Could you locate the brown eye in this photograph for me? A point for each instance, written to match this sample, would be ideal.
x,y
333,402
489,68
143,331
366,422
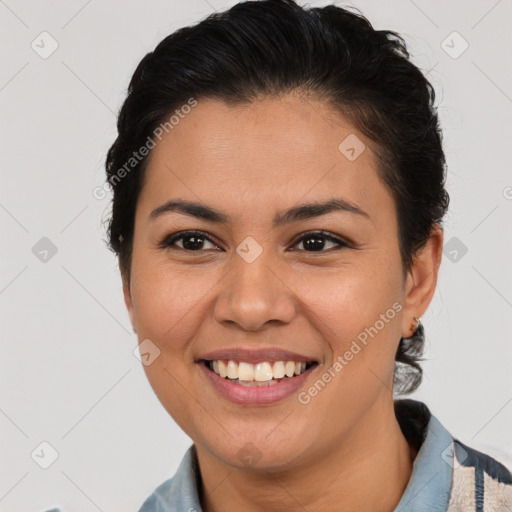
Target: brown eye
x,y
315,241
193,241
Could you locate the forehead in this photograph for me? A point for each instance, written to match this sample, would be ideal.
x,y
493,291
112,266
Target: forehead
x,y
268,153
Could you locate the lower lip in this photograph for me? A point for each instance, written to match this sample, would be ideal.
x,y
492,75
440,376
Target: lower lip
x,y
255,395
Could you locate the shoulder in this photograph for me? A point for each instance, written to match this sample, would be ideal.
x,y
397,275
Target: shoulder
x,y
179,492
158,500
449,475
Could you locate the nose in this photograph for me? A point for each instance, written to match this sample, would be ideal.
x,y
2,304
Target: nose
x,y
255,294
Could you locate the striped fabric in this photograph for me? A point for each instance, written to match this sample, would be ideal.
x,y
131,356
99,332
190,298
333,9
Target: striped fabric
x,y
479,483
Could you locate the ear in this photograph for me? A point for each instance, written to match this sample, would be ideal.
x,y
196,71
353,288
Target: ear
x,y
128,300
421,281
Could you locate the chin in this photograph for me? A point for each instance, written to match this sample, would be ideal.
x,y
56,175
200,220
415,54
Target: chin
x,y
258,452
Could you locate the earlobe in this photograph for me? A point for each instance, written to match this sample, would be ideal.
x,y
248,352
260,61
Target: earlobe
x,y
422,280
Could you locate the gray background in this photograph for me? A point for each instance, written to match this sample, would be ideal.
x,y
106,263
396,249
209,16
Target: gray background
x,y
68,373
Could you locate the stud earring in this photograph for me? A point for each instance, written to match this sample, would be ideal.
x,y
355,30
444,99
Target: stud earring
x,y
418,337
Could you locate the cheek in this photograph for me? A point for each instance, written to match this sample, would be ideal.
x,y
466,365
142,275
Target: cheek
x,y
356,310
351,299
167,306
166,301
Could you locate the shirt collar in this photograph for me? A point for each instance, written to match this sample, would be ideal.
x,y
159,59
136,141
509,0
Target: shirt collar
x,y
430,483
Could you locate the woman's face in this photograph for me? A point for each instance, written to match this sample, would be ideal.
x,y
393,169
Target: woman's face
x,y
250,284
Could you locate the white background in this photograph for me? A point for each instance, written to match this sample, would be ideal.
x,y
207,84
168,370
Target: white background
x,y
68,375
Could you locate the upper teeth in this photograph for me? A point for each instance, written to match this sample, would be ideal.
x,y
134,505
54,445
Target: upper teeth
x,y
260,372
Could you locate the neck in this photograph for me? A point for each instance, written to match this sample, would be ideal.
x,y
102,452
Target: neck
x,y
366,470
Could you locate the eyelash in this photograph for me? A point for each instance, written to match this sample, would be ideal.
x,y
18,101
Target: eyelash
x,y
168,242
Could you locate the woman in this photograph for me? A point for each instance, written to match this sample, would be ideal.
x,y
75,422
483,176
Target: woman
x,y
278,183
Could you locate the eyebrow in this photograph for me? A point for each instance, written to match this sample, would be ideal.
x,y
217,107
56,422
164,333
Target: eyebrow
x,y
296,213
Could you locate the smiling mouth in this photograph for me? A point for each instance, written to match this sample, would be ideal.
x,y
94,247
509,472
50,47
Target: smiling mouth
x,y
267,373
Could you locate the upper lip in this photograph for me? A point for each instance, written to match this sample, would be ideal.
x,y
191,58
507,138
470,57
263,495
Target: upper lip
x,y
255,356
